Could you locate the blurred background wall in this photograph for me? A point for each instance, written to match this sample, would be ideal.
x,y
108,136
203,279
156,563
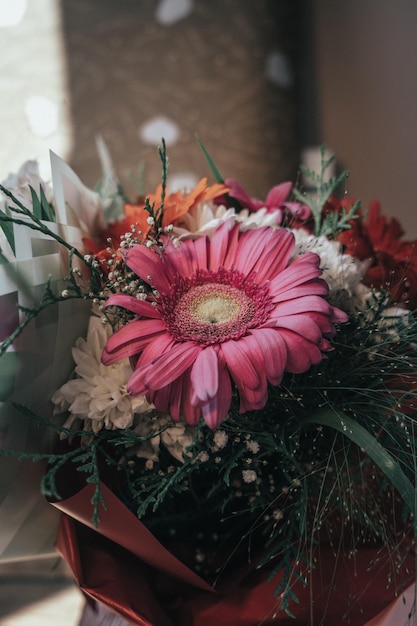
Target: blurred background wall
x,y
365,65
133,71
258,81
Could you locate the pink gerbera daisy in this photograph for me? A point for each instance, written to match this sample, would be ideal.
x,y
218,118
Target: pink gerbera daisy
x,y
233,308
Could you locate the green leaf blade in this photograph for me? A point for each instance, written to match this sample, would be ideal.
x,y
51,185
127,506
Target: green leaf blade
x,y
369,443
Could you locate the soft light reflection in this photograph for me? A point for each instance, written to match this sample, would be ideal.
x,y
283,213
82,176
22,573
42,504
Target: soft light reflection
x,y
42,115
34,101
11,12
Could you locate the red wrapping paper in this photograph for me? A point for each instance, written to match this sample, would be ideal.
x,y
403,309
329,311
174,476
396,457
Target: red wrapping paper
x,y
122,565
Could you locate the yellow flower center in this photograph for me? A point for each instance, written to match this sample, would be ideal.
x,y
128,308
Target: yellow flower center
x,y
212,307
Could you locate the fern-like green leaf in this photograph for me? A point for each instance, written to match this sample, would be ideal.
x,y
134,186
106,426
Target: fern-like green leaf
x,y
323,189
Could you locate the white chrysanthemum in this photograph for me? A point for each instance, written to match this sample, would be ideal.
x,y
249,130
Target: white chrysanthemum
x,y
206,217
202,219
258,219
342,272
97,395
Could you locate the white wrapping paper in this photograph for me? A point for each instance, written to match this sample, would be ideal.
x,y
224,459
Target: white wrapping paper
x,y
39,362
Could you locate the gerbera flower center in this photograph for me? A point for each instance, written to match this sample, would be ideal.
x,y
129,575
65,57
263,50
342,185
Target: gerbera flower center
x,y
216,304
211,307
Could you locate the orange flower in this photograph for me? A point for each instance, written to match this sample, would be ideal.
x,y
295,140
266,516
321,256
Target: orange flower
x,y
175,204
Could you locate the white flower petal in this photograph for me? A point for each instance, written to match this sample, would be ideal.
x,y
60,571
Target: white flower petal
x,y
98,394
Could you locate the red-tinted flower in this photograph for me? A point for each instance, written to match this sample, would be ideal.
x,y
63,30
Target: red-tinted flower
x,y
233,308
391,261
276,200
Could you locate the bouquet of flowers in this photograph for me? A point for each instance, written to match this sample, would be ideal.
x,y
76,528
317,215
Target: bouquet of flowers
x,y
237,439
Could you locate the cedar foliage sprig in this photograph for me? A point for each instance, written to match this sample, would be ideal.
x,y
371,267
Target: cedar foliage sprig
x,y
156,215
332,223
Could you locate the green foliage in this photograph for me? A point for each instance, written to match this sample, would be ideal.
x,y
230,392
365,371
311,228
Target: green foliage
x,y
7,228
42,210
369,443
157,215
284,474
214,169
32,220
310,448
331,224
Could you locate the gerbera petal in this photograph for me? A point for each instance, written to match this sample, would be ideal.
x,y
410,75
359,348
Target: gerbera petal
x,y
171,364
175,396
191,413
301,354
140,307
320,320
300,271
315,287
232,247
159,344
269,345
278,194
148,265
205,375
239,364
200,249
301,305
250,248
131,339
182,261
236,191
165,368
136,385
215,410
160,398
252,399
303,325
275,257
219,246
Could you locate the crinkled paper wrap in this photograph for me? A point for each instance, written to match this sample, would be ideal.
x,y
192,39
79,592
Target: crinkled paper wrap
x,y
39,362
123,566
